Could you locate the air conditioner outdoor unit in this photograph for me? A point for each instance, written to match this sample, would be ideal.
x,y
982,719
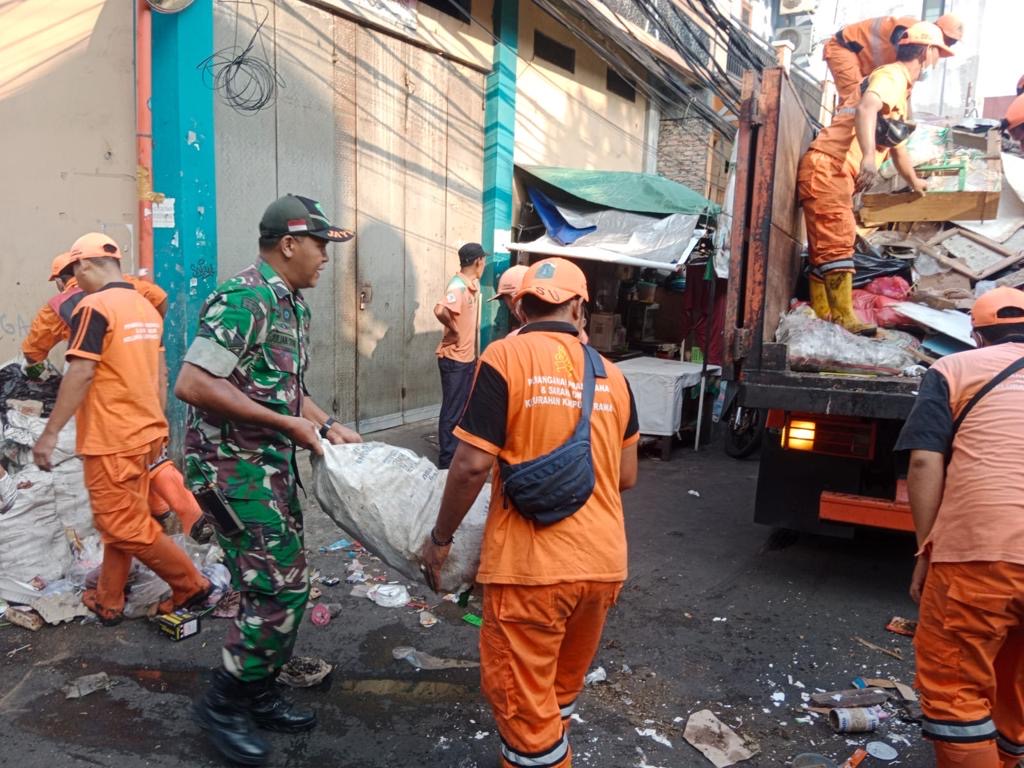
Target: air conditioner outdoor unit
x,y
789,7
800,37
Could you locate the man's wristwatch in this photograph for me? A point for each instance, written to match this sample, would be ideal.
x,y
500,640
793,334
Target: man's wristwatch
x,y
327,426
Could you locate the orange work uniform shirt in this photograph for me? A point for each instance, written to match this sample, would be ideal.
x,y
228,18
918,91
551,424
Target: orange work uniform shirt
x,y
981,517
122,332
50,325
462,298
526,402
892,84
872,40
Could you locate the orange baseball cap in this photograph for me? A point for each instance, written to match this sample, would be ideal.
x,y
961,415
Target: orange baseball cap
x,y
926,33
1015,113
555,281
94,245
986,309
951,26
60,262
511,281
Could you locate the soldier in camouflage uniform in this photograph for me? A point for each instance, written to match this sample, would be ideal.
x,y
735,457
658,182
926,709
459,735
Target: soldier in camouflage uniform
x,y
244,378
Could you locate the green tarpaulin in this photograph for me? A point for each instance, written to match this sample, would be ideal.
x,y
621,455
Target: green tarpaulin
x,y
626,191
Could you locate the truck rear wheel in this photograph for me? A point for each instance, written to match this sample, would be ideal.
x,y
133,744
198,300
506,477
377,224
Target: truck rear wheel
x,y
744,429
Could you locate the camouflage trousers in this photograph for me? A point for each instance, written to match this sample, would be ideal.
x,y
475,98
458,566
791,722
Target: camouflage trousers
x,y
268,567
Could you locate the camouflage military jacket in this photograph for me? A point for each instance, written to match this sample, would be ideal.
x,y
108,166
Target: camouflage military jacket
x,y
254,332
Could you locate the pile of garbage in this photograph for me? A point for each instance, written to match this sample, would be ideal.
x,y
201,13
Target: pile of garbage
x,y
919,278
49,550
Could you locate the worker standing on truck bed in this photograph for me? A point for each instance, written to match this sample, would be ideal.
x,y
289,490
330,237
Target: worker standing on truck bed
x,y
836,166
967,498
858,49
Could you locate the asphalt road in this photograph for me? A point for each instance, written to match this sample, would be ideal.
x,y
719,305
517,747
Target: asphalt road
x,y
717,614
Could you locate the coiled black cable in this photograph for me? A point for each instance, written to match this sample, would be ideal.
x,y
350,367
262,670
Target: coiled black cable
x,y
245,80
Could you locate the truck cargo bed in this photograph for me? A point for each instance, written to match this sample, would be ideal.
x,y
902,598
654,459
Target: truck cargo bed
x,y
882,397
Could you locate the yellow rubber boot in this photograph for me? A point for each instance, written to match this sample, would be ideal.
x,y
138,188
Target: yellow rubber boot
x,y
819,299
839,289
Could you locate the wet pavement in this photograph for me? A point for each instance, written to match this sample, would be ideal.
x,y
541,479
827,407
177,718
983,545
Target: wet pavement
x,y
718,614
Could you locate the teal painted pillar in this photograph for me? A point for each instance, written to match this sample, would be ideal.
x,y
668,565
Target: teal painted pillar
x,y
499,148
185,236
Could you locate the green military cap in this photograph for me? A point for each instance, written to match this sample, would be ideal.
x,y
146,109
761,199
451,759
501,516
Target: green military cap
x,y
297,215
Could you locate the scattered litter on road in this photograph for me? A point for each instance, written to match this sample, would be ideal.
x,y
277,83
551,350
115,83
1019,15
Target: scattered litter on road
x,y
812,760
389,595
901,626
11,653
904,690
894,652
422,660
867,697
856,720
25,618
330,581
595,676
83,686
881,751
322,613
472,618
719,618
654,735
855,759
336,546
59,607
480,735
304,672
575,717
643,760
427,619
227,608
694,493
315,594
715,740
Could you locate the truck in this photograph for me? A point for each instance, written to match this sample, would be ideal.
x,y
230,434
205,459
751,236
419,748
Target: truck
x,y
826,462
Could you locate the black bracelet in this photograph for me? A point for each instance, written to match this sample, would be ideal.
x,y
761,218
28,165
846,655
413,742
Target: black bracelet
x,y
327,426
433,538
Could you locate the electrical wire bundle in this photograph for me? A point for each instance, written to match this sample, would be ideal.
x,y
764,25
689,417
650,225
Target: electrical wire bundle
x,y
245,80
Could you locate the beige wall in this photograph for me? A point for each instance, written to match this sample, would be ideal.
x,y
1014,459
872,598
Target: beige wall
x,y
68,159
571,119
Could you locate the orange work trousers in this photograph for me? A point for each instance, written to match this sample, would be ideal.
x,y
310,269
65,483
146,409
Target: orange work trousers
x,y
118,486
844,65
970,663
167,492
825,185
536,645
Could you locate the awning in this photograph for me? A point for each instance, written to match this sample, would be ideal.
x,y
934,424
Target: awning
x,y
624,190
545,246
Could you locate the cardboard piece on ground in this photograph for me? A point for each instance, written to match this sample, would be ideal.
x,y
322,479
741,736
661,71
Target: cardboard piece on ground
x,y
1014,279
908,693
946,290
56,609
854,697
83,686
715,740
975,256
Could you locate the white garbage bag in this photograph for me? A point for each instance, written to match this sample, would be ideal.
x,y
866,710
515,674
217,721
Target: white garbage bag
x,y
32,539
388,498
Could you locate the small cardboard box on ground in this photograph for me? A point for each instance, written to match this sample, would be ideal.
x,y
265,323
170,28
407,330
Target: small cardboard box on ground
x,y
603,326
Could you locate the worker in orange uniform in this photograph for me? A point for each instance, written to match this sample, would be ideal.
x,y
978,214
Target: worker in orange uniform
x,y
51,325
967,498
1013,123
112,387
508,286
857,50
458,312
844,159
554,549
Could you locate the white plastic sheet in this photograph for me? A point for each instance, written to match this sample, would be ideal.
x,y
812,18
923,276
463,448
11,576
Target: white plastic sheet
x,y
658,387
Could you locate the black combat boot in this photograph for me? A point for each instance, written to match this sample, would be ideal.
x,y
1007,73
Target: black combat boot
x,y
272,711
223,713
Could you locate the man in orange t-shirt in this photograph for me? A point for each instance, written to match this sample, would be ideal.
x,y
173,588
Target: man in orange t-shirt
x,y
456,354
547,588
967,497
52,325
844,159
112,387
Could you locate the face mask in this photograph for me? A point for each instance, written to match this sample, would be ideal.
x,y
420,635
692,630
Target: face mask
x,y
925,74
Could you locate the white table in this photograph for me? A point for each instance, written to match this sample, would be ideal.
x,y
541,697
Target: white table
x,y
658,386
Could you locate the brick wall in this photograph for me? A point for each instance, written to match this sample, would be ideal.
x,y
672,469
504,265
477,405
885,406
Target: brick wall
x,y
683,147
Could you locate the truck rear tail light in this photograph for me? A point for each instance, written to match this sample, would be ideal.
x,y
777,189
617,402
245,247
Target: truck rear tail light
x,y
834,436
799,435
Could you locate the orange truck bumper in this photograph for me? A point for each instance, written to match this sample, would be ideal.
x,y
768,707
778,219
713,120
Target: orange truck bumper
x,y
864,510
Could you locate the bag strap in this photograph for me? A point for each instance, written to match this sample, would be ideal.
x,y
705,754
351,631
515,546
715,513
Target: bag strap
x,y
994,382
593,368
